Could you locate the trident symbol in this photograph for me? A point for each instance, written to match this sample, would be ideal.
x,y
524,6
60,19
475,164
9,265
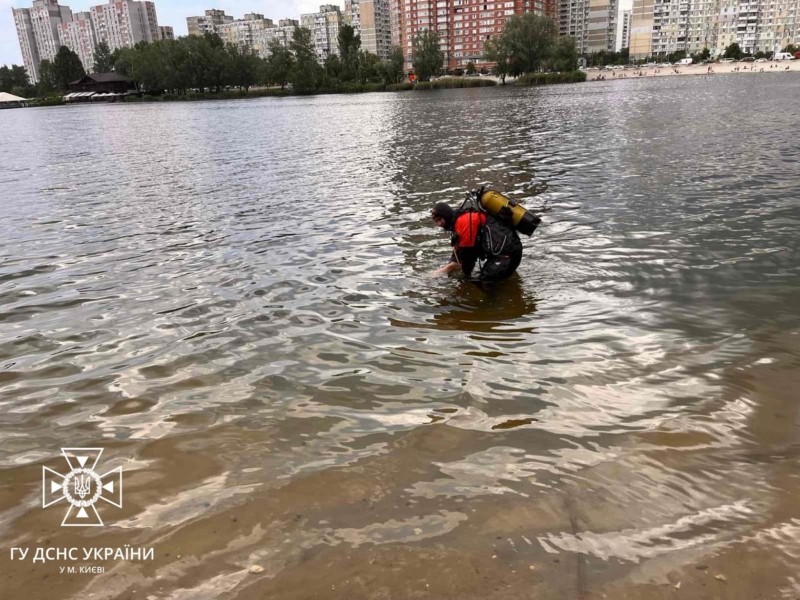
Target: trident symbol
x,y
82,485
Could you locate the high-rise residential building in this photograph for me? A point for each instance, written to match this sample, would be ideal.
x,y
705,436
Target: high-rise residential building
x,y
208,23
660,27
243,32
593,24
324,26
372,21
463,26
37,30
125,23
624,30
282,33
78,35
46,26
165,32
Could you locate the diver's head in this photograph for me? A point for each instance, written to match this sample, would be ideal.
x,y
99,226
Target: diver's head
x,y
443,215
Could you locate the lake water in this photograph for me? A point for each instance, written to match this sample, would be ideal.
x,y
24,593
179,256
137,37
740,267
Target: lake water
x,y
234,300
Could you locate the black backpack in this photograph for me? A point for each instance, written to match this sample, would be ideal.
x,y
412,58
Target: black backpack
x,y
497,237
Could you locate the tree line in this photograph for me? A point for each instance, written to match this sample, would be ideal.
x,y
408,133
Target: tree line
x,y
531,44
207,63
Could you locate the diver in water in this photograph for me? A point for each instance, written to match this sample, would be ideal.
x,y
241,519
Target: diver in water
x,y
479,236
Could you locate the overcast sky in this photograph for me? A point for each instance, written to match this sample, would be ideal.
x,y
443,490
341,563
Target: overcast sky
x,y
170,12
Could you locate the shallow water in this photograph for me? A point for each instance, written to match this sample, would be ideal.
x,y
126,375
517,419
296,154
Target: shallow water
x,y
234,300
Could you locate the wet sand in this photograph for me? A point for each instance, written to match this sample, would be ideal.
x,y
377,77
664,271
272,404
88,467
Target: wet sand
x,y
716,69
342,533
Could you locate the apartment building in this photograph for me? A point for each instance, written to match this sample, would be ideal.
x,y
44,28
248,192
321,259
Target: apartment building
x,y
372,21
624,29
78,35
243,32
37,31
661,27
593,24
125,23
463,26
324,26
165,32
207,23
282,33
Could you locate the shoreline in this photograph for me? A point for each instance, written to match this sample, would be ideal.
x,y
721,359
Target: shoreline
x,y
678,71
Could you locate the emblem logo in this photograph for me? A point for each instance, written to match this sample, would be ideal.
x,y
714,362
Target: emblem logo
x,y
81,487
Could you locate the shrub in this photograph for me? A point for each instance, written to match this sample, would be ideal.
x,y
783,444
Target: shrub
x,y
453,82
49,101
400,87
551,78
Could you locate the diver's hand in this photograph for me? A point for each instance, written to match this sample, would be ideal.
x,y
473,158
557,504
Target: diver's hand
x,y
448,268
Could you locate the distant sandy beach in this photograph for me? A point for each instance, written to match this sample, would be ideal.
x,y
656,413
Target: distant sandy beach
x,y
710,69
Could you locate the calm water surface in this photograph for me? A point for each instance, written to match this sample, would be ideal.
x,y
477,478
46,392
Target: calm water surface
x,y
234,300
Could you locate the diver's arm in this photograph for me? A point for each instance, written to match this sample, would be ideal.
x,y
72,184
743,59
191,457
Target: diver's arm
x,y
450,267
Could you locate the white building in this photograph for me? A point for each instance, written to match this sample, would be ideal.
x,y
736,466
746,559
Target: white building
x,y
624,30
593,24
125,23
78,35
660,27
372,20
282,33
243,32
207,23
324,26
37,30
46,26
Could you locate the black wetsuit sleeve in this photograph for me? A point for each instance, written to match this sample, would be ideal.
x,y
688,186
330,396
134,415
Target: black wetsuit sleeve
x,y
466,257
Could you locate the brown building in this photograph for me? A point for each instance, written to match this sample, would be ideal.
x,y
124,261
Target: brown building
x,y
463,26
103,83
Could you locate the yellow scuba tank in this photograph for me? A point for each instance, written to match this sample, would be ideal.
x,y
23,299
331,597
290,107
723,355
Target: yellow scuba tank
x,y
504,208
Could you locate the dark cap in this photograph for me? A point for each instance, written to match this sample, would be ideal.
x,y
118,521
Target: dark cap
x,y
443,210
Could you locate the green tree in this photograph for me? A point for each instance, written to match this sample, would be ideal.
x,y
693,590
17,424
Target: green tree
x,y
369,67
15,77
496,50
123,61
175,64
349,48
48,84
565,55
333,67
471,68
392,69
103,59
530,39
279,64
428,56
306,74
67,68
148,68
699,57
245,65
791,49
733,51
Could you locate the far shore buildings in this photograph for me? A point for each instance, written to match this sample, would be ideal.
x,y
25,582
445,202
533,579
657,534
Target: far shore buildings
x,y
463,25
252,31
624,29
660,27
46,26
372,20
324,26
593,24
